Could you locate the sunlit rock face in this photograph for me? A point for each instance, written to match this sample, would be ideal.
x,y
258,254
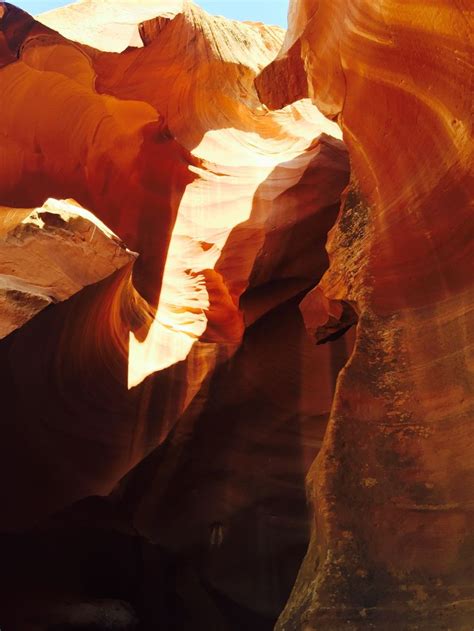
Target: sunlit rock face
x,y
392,486
48,254
147,115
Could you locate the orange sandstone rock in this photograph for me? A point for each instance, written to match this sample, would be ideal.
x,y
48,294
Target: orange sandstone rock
x,y
157,124
197,355
392,486
50,253
227,203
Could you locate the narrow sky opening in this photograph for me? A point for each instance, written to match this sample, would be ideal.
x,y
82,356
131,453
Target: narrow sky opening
x,y
267,11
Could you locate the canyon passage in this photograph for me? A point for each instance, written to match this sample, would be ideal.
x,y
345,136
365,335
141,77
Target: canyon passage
x,y
236,318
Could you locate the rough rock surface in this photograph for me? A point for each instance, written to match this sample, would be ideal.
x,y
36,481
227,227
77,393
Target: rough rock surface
x,y
392,487
50,253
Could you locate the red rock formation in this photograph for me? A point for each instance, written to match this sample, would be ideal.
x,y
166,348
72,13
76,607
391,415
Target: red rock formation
x,y
191,375
228,205
50,253
240,464
392,487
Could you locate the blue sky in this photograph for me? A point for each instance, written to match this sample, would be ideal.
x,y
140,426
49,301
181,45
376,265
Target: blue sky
x,y
268,11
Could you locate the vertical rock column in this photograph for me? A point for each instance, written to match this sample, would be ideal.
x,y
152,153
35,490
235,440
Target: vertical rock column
x,y
392,488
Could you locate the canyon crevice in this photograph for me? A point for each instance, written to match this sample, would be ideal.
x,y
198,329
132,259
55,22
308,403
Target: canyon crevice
x,y
236,299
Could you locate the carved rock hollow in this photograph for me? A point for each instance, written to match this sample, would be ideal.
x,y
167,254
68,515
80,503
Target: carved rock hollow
x,y
299,313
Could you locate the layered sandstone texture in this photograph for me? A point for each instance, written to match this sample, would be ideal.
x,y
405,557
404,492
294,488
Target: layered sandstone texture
x,y
184,385
392,488
48,254
159,424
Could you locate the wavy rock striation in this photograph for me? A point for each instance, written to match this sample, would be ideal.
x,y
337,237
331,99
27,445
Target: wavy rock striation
x,y
182,392
50,253
392,486
153,123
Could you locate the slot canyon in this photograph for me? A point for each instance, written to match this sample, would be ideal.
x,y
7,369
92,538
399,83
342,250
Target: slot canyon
x,y
237,318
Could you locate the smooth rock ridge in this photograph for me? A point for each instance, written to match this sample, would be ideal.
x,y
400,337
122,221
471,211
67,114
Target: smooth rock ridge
x,y
48,254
